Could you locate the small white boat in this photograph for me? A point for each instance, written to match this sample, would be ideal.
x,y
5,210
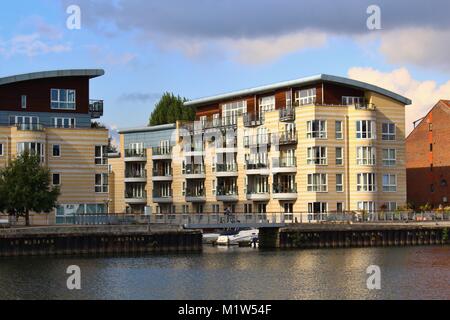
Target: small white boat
x,y
210,237
235,239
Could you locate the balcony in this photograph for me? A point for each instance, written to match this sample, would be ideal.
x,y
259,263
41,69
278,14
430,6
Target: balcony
x,y
286,138
227,170
284,192
30,127
162,175
162,153
193,195
287,114
284,165
135,155
259,168
96,108
135,197
163,195
135,176
221,122
194,172
365,106
227,194
253,120
258,195
258,140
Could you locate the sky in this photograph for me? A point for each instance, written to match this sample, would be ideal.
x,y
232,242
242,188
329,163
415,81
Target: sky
x,y
197,48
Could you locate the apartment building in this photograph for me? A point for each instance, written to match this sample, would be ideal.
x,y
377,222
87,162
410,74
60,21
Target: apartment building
x,y
49,114
313,146
428,158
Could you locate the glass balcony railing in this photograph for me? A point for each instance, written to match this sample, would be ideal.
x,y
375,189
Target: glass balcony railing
x,y
96,108
162,193
192,192
162,173
284,162
135,195
283,188
194,169
229,167
29,127
136,174
133,153
161,151
287,114
253,120
227,191
256,165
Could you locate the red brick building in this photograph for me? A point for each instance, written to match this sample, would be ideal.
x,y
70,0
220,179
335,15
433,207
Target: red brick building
x,y
428,158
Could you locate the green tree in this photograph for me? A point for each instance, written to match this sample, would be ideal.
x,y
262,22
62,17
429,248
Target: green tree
x,y
25,187
169,109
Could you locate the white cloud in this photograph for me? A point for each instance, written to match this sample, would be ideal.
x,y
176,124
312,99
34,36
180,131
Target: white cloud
x,y
30,45
102,55
424,94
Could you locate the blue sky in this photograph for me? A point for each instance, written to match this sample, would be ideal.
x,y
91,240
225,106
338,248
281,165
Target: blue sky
x,y
197,48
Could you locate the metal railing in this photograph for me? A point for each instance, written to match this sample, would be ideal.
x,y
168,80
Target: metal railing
x,y
195,193
96,108
161,151
136,174
194,169
29,127
158,193
253,120
256,165
257,140
228,167
283,188
162,172
284,162
287,114
286,137
132,195
227,191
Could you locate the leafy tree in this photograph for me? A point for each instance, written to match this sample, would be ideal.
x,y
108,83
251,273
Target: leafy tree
x,y
25,187
169,109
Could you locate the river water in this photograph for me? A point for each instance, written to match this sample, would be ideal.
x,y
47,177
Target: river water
x,y
236,273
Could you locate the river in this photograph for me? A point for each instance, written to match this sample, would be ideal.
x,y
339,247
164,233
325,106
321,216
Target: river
x,y
236,273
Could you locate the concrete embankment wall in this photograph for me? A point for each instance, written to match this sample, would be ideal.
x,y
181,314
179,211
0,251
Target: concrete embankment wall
x,y
342,236
97,240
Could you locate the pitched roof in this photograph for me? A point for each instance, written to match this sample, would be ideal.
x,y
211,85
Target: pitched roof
x,y
301,81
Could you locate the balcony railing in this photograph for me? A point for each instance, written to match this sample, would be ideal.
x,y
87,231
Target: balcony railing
x,y
257,140
194,169
190,192
158,193
30,127
96,108
133,153
254,166
253,120
133,195
162,173
161,151
136,174
227,191
284,162
228,167
287,114
287,137
283,188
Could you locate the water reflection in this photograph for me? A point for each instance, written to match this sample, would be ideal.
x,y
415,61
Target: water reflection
x,y
236,273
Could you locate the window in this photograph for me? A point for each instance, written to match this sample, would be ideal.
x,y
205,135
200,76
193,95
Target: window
x,y
317,129
56,179
214,187
215,208
365,156
216,120
25,122
64,122
367,206
32,148
185,208
203,120
431,147
305,96
389,183
388,131
248,208
1,149
266,104
56,150
101,183
101,155
338,129
183,188
64,99
365,129
339,182
340,207
366,182
339,156
317,155
317,211
348,101
317,182
23,101
389,157
231,111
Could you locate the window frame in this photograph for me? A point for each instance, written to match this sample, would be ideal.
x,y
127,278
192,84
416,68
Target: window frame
x,y
341,158
321,186
321,133
59,101
339,135
103,155
23,101
103,187
59,150
388,161
366,156
388,136
313,159
340,184
389,187
366,134
363,182
53,179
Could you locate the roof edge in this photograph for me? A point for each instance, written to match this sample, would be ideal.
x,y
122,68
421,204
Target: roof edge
x,y
91,73
148,129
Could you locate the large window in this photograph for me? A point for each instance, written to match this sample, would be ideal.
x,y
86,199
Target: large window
x,y
365,129
305,96
348,101
317,182
366,182
101,155
316,129
101,183
266,104
367,206
389,157
64,122
231,111
317,155
32,148
339,182
365,156
388,131
64,99
389,183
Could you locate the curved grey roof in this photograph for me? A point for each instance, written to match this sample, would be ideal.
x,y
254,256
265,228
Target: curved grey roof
x,y
149,129
302,81
91,73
